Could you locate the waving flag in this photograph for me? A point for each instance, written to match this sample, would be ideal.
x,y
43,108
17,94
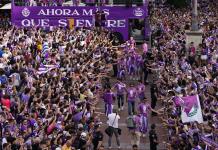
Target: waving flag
x,y
178,101
46,68
191,109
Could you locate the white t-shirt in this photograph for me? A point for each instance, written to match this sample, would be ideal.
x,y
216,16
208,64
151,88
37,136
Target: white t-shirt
x,y
111,119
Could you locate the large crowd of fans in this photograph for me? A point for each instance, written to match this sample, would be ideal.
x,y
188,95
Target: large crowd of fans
x,y
185,69
51,81
49,86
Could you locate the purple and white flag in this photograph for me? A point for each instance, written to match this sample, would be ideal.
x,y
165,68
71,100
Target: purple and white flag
x,y
178,101
191,109
46,68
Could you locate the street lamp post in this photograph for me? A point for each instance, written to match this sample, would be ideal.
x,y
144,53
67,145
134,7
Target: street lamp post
x,y
195,34
194,26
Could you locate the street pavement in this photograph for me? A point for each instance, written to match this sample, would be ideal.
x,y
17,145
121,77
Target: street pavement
x,y
125,137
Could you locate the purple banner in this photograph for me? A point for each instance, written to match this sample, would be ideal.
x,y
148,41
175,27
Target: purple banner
x,y
117,17
115,12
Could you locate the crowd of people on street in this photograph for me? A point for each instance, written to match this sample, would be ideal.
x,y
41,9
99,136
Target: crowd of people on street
x,y
179,70
129,67
52,80
186,69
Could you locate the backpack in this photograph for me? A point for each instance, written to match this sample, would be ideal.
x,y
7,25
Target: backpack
x,y
130,122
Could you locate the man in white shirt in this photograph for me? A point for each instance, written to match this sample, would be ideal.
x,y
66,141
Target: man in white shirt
x,y
113,122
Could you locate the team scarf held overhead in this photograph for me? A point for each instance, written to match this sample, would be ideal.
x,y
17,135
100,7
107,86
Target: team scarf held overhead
x,y
209,142
46,68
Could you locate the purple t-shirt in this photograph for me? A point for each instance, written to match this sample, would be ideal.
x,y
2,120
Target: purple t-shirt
x,y
25,98
33,123
120,88
144,108
108,97
23,127
141,89
130,62
131,94
139,62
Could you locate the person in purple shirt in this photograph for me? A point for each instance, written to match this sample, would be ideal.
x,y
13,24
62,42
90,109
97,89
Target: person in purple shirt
x,y
121,74
139,65
131,66
108,98
121,89
144,108
141,91
131,98
24,125
25,96
132,41
126,47
136,132
131,44
121,69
